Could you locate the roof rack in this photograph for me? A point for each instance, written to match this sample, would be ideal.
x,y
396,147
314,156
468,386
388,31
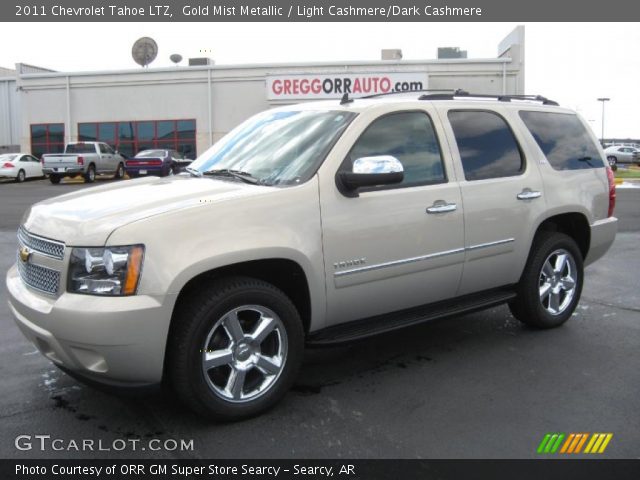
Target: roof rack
x,y
408,92
501,98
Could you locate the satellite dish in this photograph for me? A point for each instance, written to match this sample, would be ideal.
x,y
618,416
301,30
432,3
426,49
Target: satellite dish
x,y
176,58
144,51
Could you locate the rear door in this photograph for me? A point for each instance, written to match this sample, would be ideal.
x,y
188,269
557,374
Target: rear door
x,y
389,248
31,166
107,162
502,195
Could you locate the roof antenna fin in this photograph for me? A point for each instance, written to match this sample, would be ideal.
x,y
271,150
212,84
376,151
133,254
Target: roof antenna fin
x,y
345,99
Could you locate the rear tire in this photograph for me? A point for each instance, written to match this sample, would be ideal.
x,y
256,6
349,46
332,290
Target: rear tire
x,y
235,348
55,179
119,171
90,176
551,284
21,177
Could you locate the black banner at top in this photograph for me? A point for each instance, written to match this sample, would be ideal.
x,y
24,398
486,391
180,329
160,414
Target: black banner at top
x,y
317,10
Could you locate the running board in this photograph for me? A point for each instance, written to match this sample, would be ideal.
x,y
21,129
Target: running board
x,y
368,327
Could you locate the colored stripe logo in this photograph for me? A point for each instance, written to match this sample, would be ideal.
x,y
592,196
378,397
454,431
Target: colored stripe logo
x,y
574,443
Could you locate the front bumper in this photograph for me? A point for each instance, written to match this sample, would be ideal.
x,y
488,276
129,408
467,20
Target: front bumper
x,y
118,341
603,233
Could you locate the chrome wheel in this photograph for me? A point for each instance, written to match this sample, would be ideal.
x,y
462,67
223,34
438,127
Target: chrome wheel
x,y
244,353
557,281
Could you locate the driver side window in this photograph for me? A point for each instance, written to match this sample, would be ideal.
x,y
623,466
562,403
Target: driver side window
x,y
408,136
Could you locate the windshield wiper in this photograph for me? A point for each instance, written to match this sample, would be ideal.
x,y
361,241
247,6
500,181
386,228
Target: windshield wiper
x,y
193,171
240,175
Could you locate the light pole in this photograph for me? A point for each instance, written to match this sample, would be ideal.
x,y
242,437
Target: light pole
x,y
603,99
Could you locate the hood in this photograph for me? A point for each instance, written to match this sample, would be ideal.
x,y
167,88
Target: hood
x,y
87,217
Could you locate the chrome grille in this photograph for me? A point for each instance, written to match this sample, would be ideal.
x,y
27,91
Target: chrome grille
x,y
41,278
51,248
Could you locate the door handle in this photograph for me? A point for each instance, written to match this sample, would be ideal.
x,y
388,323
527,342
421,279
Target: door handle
x,y
440,206
528,194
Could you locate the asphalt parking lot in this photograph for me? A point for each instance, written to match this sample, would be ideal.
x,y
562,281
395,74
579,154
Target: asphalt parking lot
x,y
476,386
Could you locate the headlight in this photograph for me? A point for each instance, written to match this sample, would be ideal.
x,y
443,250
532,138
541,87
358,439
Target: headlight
x,y
113,271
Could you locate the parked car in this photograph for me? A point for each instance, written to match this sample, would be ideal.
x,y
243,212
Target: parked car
x,y
314,225
83,158
19,166
622,154
156,162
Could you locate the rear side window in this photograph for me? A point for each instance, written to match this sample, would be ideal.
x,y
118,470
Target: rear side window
x,y
563,139
487,146
409,137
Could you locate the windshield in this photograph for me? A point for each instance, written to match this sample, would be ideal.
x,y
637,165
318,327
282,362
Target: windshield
x,y
152,153
80,148
277,147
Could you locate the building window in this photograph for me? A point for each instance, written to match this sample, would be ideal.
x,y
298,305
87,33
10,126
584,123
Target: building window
x,y
132,137
47,138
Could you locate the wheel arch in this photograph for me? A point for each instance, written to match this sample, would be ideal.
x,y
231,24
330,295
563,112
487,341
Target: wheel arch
x,y
285,274
573,224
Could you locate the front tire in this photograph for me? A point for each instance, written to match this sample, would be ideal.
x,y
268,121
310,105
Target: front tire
x,y
551,284
235,349
90,176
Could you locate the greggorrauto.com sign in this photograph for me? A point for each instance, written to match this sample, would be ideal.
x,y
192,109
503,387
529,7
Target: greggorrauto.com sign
x,y
307,87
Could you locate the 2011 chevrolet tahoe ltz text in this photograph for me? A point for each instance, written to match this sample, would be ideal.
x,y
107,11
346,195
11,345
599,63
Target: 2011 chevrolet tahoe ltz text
x,y
314,224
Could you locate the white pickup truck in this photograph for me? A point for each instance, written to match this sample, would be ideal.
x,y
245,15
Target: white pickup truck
x,y
83,158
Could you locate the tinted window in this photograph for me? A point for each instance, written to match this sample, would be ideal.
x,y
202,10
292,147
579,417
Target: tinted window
x,y
166,130
125,130
186,129
56,133
81,148
38,133
563,140
87,131
409,137
146,130
107,132
487,146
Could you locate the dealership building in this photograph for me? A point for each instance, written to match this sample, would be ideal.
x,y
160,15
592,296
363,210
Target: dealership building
x,y
189,108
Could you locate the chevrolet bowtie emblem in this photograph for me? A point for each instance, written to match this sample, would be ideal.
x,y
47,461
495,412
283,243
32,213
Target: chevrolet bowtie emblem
x,y
25,253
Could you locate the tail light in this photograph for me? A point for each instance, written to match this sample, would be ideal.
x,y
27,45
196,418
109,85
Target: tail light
x,y
612,191
80,160
8,165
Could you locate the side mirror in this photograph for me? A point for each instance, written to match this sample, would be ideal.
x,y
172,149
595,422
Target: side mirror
x,y
370,172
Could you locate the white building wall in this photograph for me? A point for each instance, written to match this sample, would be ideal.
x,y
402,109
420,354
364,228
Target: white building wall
x,y
236,92
9,116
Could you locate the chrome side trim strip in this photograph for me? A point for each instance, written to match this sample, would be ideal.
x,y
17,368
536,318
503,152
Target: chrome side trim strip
x,y
394,263
421,258
490,244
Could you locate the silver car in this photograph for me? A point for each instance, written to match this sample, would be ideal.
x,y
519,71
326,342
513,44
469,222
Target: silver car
x,y
622,154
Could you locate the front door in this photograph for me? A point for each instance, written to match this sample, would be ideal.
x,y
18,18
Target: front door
x,y
397,246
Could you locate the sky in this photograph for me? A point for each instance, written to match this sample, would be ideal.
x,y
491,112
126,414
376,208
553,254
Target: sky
x,y
573,63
